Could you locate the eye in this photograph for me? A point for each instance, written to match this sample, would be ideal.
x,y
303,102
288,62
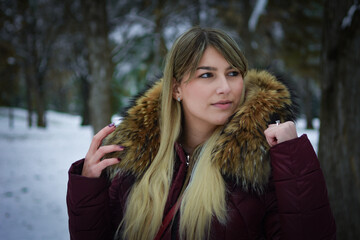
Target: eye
x,y
233,74
206,75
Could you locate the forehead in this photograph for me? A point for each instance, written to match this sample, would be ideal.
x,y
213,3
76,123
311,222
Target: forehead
x,y
212,58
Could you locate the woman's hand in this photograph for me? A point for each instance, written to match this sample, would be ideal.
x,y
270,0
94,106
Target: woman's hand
x,y
278,133
92,165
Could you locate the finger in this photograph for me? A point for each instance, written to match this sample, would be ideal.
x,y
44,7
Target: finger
x,y
275,124
97,139
95,171
288,132
272,140
270,135
271,129
104,150
107,162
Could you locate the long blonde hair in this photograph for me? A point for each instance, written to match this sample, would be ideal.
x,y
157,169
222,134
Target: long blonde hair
x,y
204,197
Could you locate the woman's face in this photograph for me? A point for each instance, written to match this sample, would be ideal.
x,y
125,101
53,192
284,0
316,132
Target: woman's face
x,y
212,95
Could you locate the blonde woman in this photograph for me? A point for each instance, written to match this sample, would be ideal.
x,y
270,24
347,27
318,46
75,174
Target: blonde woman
x,y
200,156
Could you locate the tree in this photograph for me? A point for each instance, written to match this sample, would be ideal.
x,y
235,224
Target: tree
x,y
339,151
142,31
32,28
301,45
283,36
100,64
9,67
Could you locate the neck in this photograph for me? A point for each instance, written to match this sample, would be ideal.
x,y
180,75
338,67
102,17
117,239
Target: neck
x,y
193,137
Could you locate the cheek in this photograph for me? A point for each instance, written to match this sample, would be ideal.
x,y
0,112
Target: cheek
x,y
196,92
240,86
238,89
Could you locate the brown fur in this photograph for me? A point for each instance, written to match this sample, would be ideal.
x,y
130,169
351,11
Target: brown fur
x,y
241,152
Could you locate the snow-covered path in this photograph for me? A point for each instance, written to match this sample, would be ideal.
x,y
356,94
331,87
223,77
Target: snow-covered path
x,y
33,174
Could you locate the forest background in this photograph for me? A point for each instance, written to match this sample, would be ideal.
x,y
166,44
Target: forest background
x,y
89,58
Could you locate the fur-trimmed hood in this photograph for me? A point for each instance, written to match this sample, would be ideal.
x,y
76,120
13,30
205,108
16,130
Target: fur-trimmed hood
x,y
241,151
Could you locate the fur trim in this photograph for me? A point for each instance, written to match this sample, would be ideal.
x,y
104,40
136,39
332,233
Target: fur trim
x,y
241,152
138,133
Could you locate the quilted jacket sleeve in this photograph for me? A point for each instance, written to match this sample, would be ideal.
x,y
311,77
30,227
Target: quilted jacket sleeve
x,y
301,192
88,205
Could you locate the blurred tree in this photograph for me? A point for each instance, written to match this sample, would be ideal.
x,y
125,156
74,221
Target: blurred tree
x,y
301,45
282,36
142,31
9,67
12,38
236,16
339,151
32,34
139,33
100,64
78,58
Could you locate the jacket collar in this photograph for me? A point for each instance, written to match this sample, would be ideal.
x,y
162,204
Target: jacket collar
x,y
241,152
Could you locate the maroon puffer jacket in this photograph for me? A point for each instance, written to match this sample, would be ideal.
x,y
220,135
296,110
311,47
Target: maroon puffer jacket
x,y
294,206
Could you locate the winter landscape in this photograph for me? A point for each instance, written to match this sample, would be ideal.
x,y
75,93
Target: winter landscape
x,y
33,173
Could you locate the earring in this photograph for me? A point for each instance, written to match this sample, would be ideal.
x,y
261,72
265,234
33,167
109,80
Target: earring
x,y
178,99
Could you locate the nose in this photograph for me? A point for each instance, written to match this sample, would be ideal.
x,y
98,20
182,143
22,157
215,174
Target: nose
x,y
223,86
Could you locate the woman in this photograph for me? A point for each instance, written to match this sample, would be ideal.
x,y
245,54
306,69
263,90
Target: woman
x,y
199,156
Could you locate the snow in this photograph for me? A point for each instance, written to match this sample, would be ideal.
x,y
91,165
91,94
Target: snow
x,y
33,173
258,10
313,135
348,18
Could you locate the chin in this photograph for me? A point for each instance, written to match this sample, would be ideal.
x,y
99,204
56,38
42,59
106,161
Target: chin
x,y
221,121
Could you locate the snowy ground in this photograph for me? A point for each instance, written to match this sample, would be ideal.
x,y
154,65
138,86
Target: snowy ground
x,y
33,173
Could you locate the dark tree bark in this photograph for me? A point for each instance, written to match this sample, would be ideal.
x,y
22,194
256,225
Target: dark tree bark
x,y
339,151
308,108
39,31
159,36
85,111
25,62
100,65
29,96
40,102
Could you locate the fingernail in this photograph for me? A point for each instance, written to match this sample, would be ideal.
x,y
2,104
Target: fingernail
x,y
111,125
121,147
119,159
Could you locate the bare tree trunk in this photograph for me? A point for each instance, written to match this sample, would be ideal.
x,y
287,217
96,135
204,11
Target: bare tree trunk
x,y
308,108
339,151
196,18
160,41
29,74
39,88
100,65
85,111
34,74
11,117
29,102
40,103
26,70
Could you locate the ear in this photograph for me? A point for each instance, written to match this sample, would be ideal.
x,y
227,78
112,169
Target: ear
x,y
176,89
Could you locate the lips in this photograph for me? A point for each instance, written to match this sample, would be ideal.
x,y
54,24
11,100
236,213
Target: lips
x,y
223,104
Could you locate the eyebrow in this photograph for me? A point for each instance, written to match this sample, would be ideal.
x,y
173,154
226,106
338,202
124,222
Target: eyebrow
x,y
211,68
